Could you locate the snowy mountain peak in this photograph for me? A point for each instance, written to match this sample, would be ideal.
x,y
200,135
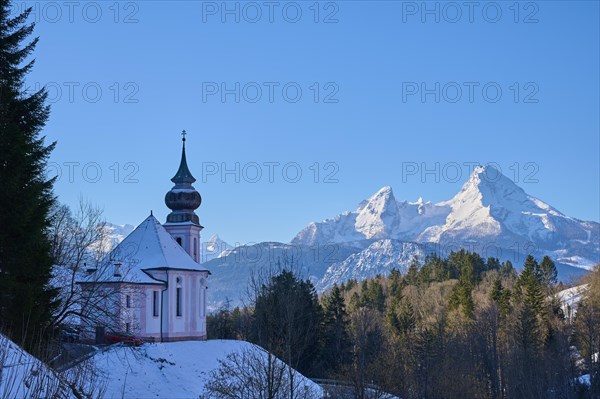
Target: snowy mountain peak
x,y
385,190
487,180
384,194
492,205
213,239
490,209
379,215
486,195
214,248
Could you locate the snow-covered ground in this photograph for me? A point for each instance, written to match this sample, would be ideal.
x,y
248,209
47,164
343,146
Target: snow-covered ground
x,y
570,298
24,376
169,370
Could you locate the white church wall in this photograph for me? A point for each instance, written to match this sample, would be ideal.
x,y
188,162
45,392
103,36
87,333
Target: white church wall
x,y
189,235
191,322
116,313
151,311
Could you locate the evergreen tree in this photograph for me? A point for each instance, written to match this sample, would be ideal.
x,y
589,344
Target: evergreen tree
x,y
350,284
507,269
287,320
530,334
220,325
471,266
548,273
391,316
492,264
373,297
412,274
26,302
396,284
500,296
355,302
530,285
406,318
336,339
496,292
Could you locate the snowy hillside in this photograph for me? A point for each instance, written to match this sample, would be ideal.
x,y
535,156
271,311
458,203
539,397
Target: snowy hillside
x,y
170,370
489,211
24,376
570,298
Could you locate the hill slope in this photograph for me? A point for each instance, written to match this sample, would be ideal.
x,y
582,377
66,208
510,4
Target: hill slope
x,y
169,370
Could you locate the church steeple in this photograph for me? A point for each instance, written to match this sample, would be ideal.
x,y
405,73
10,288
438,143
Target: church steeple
x,y
183,199
183,174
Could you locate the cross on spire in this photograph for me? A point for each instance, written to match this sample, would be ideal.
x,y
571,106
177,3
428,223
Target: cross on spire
x,y
183,175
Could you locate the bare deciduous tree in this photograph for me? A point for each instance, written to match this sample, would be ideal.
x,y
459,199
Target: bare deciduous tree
x,y
81,242
254,373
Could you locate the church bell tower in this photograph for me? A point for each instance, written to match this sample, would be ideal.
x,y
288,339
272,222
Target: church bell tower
x,y
183,199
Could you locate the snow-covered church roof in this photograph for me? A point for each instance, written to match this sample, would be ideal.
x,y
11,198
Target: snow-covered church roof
x,y
149,246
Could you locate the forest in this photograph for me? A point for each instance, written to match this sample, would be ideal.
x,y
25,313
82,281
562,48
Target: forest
x,y
455,327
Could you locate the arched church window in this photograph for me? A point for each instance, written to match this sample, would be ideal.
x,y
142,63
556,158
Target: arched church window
x,y
202,297
178,297
178,240
195,248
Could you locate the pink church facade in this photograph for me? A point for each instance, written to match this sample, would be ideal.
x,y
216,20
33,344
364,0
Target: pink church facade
x,y
152,285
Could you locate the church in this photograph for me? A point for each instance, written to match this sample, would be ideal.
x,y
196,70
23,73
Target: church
x,y
152,285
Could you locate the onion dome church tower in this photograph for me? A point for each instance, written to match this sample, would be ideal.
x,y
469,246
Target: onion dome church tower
x,y
183,199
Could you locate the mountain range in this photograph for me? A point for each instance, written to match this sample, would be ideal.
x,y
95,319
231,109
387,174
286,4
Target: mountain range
x,y
490,212
490,215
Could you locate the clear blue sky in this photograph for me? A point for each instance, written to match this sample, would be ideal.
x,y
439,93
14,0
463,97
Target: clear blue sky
x,y
157,64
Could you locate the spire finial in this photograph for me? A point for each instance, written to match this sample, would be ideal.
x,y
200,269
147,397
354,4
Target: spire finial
x,y
183,174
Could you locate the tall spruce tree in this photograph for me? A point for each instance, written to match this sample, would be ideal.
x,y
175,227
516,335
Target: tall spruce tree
x,y
287,320
530,284
548,273
336,324
26,301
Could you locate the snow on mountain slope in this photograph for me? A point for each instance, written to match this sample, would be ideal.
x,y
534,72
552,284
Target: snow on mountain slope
x,y
24,376
170,370
490,215
213,248
378,258
338,229
380,216
231,273
117,233
490,205
489,210
570,298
